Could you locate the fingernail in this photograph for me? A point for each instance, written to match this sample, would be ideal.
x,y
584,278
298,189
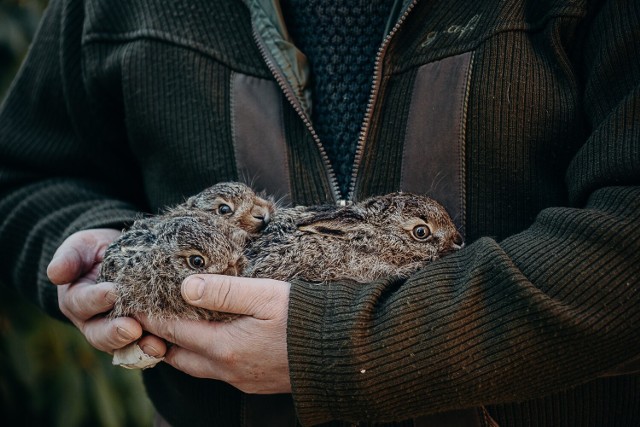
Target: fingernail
x,y
125,334
150,350
193,288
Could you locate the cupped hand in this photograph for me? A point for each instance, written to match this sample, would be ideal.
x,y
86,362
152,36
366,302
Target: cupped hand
x,y
248,352
74,268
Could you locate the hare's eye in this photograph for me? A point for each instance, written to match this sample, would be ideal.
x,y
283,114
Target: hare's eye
x,y
196,262
224,209
421,232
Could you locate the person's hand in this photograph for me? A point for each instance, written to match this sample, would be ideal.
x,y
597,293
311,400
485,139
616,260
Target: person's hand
x,y
74,268
248,352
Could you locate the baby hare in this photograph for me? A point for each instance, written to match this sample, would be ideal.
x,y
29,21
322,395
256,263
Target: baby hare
x,y
205,234
234,201
390,235
148,262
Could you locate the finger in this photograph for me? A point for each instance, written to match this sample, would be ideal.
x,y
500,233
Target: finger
x,y
78,254
82,301
239,295
111,334
68,264
153,346
191,334
245,377
195,364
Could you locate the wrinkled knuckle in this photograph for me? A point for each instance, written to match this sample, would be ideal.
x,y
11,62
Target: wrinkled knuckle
x,y
256,303
275,299
114,338
168,331
229,359
223,293
95,339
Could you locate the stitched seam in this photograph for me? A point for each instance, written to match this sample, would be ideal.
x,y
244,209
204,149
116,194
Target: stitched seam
x,y
232,120
403,163
285,149
164,37
462,171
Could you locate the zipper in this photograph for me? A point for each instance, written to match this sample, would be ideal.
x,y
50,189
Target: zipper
x,y
373,97
290,95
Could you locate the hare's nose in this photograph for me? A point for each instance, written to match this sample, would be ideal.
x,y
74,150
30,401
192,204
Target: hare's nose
x,y
261,215
458,241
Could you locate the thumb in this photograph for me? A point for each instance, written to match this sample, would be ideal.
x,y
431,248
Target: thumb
x,y
259,298
77,255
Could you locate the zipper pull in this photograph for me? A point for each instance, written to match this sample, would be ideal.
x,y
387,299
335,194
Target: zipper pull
x,y
342,203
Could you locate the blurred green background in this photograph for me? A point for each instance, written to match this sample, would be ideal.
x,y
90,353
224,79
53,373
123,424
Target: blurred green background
x,y
49,375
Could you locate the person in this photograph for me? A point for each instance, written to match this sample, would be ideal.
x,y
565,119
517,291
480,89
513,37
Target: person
x,y
521,117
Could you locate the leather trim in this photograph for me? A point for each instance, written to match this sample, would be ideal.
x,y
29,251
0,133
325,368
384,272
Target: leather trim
x,y
258,134
433,159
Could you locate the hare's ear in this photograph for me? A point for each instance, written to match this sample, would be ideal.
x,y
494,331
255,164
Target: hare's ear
x,y
336,224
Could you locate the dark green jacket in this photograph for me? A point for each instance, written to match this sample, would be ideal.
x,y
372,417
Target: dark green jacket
x,y
523,116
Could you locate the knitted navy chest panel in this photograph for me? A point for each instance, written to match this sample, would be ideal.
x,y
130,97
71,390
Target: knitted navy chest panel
x,y
340,39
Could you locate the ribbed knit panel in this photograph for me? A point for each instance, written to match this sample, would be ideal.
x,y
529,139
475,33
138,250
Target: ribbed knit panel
x,y
162,137
36,217
604,402
221,30
453,29
594,167
340,40
549,131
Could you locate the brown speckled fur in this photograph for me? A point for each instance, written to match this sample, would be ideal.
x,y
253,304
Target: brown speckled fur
x,y
362,242
149,260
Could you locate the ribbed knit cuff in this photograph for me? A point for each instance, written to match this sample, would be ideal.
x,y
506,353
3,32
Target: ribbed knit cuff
x,y
305,347
335,354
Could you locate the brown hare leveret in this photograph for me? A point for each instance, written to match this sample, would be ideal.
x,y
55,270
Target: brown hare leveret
x,y
205,234
149,261
391,235
234,201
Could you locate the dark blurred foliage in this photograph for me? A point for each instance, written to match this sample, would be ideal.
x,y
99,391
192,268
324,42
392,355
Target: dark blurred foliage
x,y
18,22
49,375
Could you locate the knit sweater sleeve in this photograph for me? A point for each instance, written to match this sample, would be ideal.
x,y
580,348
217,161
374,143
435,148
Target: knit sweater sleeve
x,y
500,321
53,181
